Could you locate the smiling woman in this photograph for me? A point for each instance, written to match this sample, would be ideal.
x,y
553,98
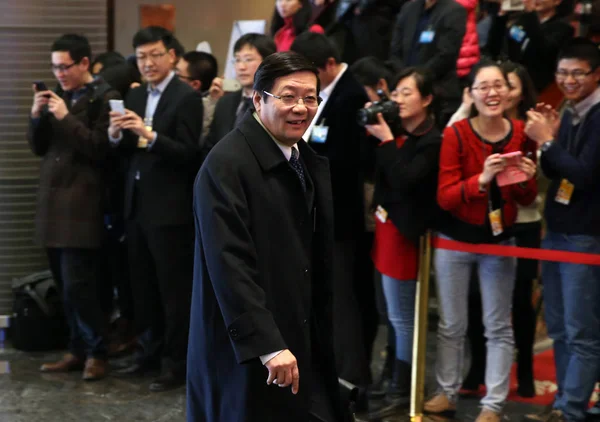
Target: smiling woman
x,y
480,211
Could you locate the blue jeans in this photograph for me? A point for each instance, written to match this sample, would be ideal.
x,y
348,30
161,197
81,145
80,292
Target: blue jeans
x,y
496,281
75,273
400,300
572,310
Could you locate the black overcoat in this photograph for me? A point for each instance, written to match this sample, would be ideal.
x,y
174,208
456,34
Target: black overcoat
x,y
262,280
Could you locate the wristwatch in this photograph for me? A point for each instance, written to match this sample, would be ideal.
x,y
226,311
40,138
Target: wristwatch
x,y
546,145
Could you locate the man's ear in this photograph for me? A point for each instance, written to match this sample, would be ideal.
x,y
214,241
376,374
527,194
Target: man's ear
x,y
197,85
85,62
256,99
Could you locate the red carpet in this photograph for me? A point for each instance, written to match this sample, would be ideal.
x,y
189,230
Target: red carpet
x,y
545,381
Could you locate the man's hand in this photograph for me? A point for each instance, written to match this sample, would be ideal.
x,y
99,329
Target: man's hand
x,y
133,122
57,106
538,128
40,99
216,89
283,371
551,116
117,120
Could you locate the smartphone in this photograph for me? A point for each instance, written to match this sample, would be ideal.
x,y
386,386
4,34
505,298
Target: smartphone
x,y
231,85
40,86
117,105
512,173
513,5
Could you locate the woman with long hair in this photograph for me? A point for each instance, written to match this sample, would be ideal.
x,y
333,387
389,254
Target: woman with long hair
x,y
483,211
290,19
405,189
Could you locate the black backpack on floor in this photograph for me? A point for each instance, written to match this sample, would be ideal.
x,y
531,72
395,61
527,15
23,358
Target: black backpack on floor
x,y
38,322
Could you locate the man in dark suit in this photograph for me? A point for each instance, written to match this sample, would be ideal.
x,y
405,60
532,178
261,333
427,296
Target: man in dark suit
x,y
336,134
262,272
429,34
249,51
159,131
69,132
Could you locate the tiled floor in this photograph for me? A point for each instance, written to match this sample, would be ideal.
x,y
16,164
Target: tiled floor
x,y
29,396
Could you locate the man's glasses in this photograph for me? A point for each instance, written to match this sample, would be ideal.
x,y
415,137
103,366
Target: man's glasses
x,y
485,89
152,56
62,67
245,60
292,100
577,74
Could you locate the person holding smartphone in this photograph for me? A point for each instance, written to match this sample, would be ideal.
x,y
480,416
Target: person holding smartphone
x,y
481,213
68,130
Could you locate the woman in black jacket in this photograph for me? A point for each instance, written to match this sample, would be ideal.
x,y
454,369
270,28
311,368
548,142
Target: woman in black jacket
x,y
405,199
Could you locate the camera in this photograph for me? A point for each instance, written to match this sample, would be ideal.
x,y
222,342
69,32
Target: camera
x,y
388,108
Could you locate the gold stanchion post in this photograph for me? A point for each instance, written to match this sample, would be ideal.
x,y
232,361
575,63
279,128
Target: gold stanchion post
x,y
417,398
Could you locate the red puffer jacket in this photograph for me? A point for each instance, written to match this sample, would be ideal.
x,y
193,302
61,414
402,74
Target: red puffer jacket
x,y
469,51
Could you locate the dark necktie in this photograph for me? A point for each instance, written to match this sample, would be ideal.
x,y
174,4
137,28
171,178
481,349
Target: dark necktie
x,y
297,166
241,111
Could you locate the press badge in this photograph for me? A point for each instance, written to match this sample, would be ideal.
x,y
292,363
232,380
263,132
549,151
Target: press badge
x,y
427,36
381,214
565,192
496,222
517,33
319,134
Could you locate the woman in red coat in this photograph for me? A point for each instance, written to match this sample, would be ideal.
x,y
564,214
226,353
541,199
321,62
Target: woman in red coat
x,y
483,211
290,19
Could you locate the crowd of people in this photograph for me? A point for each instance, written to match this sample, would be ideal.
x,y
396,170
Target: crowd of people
x,y
227,234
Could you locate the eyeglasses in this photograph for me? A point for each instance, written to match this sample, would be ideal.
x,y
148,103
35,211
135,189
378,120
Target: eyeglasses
x,y
187,78
292,100
152,56
578,74
245,60
485,89
63,67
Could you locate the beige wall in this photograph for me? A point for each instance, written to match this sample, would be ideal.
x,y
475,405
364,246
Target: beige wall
x,y
195,21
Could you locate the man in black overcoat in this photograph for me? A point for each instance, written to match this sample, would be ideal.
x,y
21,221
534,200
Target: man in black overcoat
x,y
260,344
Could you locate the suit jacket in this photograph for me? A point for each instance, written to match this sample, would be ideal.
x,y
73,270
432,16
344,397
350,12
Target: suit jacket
x,y
72,187
262,280
449,22
223,120
159,181
344,148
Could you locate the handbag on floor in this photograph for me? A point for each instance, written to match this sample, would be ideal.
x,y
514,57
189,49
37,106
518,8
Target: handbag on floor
x,y
38,322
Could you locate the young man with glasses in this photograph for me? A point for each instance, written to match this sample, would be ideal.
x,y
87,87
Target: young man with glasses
x,y
571,160
159,132
249,51
198,69
68,130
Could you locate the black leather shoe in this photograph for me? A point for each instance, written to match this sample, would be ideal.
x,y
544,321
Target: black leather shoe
x,y
136,369
167,381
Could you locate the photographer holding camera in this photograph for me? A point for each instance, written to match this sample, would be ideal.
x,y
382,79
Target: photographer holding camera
x,y
405,200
